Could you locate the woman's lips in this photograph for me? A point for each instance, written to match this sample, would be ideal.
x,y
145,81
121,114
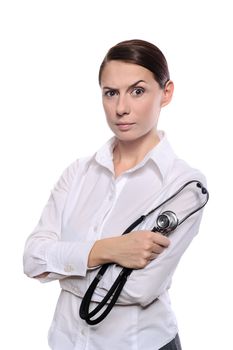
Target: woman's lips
x,y
124,126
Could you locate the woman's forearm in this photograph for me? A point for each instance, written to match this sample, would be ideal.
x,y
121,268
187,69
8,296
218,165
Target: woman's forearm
x,y
134,250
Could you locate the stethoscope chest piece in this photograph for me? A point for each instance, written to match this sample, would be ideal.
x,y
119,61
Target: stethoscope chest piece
x,y
166,222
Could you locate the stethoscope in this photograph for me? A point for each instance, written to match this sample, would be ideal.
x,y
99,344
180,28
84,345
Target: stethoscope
x,y
166,223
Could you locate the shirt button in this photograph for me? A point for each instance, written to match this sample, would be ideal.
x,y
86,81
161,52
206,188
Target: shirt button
x,y
68,268
83,332
110,197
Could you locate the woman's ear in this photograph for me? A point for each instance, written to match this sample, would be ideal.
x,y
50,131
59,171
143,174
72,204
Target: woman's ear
x,y
167,93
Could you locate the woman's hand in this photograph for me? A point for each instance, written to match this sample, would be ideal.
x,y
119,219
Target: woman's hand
x,y
134,250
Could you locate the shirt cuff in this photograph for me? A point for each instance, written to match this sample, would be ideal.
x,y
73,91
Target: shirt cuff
x,y
68,258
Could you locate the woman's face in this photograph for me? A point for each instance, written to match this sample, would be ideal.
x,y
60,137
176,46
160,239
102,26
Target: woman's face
x,y
132,99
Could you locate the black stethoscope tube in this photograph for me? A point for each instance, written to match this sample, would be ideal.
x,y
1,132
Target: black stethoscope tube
x,y
120,281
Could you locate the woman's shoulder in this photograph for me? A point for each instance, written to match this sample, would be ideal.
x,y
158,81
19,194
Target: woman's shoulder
x,y
182,170
77,166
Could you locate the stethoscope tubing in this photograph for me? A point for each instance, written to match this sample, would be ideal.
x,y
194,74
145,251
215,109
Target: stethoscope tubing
x,y
120,281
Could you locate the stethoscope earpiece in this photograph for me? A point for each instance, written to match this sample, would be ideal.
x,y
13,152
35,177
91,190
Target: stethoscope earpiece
x,y
203,189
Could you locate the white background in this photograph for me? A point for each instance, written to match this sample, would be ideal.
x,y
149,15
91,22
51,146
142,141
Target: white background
x,y
51,113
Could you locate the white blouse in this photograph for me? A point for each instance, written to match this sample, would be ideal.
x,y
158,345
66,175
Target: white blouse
x,y
88,203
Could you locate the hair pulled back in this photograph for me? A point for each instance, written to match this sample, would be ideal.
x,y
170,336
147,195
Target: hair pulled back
x,y
142,53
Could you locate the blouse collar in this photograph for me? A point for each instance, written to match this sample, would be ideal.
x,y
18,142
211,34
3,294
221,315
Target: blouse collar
x,y
162,155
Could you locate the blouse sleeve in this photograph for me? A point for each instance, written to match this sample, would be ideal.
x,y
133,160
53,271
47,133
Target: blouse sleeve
x,y
44,250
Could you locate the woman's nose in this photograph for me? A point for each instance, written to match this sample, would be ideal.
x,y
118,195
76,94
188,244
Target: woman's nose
x,y
123,106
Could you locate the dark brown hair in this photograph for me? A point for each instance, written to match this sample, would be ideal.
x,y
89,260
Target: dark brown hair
x,y
142,53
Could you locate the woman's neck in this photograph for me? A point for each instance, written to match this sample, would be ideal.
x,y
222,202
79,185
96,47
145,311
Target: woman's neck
x,y
128,154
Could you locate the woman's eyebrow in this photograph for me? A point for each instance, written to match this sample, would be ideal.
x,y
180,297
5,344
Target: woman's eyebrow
x,y
130,87
136,83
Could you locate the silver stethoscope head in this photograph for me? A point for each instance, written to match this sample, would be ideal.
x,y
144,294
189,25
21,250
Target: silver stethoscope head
x,y
166,222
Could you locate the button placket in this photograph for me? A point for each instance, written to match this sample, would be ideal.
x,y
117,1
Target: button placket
x,y
105,209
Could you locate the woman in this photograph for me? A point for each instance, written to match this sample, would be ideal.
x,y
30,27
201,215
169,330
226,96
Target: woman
x,y
98,197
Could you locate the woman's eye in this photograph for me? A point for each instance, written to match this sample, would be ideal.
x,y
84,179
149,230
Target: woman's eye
x,y
110,93
138,91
